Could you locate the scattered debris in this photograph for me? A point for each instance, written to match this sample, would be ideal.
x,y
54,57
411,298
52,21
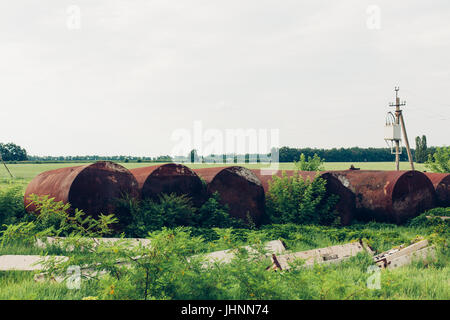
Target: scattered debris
x,y
402,255
333,254
225,256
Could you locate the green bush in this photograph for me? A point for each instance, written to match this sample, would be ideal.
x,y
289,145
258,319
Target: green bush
x,y
295,200
434,220
55,219
12,209
138,218
314,163
439,161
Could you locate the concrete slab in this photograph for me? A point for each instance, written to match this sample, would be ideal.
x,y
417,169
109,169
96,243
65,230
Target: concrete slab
x,y
404,255
226,256
333,254
57,241
26,262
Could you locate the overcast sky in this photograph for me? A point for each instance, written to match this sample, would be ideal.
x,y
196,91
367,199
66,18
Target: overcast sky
x,y
122,76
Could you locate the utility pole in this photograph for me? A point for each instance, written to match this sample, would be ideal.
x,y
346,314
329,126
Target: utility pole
x,y
400,121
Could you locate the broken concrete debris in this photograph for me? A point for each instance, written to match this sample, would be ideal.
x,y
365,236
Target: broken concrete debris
x,y
402,255
333,254
225,256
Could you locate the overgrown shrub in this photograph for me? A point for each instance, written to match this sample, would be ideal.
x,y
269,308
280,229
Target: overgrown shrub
x,y
213,214
138,218
314,163
439,161
12,209
301,201
433,220
55,219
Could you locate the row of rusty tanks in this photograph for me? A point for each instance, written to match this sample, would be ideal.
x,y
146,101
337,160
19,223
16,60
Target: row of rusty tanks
x,y
385,196
93,188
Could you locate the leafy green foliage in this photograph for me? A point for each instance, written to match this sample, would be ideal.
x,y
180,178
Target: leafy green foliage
x,y
138,218
432,218
11,205
314,163
172,267
55,219
440,160
293,199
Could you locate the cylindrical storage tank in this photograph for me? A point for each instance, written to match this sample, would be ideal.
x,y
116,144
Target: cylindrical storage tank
x,y
388,196
91,188
170,178
441,183
346,203
239,188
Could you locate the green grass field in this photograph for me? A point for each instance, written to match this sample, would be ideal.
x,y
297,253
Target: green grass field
x,y
345,281
24,173
420,280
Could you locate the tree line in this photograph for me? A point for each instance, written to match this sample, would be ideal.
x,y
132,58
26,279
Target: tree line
x,y
13,152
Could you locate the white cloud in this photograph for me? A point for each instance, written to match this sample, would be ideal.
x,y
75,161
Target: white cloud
x,y
138,70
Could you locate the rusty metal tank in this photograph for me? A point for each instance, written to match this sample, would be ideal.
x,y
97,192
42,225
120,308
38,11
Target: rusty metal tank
x,y
388,196
170,178
441,183
239,188
91,188
346,203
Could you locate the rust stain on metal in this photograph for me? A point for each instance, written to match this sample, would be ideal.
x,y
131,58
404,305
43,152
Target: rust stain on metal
x,y
389,196
441,184
91,188
169,178
346,204
239,188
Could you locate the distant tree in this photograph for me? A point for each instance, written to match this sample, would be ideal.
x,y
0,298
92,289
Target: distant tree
x,y
193,156
439,161
421,152
13,152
